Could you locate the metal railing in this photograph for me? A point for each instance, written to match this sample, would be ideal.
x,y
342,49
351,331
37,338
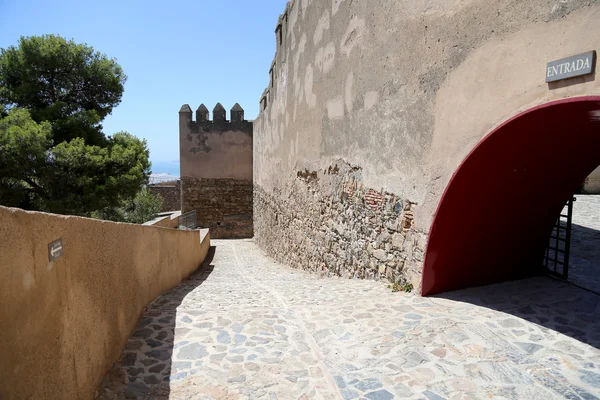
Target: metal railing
x,y
188,220
556,259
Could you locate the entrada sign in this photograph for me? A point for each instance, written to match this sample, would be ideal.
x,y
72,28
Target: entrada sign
x,y
581,64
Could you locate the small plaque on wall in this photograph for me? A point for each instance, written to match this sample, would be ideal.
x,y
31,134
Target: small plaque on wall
x,y
570,67
55,250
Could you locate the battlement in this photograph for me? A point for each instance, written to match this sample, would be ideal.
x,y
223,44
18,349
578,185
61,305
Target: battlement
x,y
264,99
281,27
216,169
281,31
219,122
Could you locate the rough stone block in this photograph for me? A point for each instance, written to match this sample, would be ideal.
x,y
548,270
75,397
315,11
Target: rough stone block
x,y
312,229
222,205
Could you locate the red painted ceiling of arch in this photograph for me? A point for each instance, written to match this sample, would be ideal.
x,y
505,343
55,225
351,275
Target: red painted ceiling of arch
x,y
497,212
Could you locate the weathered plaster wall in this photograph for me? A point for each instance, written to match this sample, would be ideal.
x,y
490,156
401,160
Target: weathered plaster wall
x,y
479,95
165,220
64,323
400,91
216,170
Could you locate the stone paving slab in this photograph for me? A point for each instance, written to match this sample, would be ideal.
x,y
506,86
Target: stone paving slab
x,y
248,328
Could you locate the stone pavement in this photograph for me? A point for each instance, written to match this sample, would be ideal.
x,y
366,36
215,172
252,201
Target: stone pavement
x,y
246,327
584,265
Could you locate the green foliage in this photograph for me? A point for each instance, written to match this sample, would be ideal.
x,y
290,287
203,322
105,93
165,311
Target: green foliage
x,y
71,177
115,214
54,157
401,287
23,159
68,84
143,208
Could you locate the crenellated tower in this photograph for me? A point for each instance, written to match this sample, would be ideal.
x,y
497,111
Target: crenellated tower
x,y
216,169
219,121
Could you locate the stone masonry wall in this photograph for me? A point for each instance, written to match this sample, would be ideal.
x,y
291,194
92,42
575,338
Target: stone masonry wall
x,y
403,90
222,205
353,232
170,193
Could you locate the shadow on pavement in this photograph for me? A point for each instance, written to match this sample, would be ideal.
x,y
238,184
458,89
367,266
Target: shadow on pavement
x,y
550,303
584,265
146,368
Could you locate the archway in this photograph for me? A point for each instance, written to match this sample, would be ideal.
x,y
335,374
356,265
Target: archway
x,y
494,219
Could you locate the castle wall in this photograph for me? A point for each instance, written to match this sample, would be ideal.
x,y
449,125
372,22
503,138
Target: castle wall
x,y
216,170
372,106
170,193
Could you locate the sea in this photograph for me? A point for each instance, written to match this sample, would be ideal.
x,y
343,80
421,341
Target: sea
x,y
164,171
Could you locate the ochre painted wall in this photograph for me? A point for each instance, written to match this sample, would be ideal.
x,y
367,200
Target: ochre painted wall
x,y
64,323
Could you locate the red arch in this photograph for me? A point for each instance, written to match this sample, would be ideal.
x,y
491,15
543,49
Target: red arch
x,y
498,210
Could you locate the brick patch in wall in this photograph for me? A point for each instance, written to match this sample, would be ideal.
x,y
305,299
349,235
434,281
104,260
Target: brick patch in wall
x,y
331,225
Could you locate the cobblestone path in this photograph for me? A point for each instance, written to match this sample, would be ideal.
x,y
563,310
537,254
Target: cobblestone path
x,y
246,327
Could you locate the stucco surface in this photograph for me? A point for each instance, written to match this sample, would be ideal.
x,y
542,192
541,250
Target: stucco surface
x,y
497,81
64,323
362,80
402,91
165,220
224,155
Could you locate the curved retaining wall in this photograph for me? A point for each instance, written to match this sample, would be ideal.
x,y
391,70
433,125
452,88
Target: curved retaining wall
x,y
64,323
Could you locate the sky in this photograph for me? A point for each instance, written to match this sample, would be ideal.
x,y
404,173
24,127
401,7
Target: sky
x,y
172,52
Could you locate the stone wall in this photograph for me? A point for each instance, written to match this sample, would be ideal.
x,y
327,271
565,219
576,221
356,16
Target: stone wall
x,y
355,232
216,170
592,183
170,192
64,323
403,91
222,205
